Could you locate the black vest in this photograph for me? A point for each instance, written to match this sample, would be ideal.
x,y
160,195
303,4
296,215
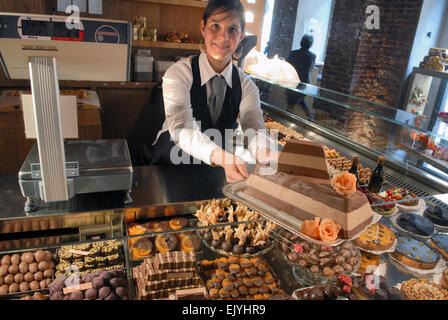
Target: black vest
x,y
201,112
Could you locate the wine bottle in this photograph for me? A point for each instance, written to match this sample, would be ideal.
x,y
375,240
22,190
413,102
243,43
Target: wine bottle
x,y
376,180
354,168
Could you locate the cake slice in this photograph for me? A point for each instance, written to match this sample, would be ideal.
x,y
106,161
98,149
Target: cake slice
x,y
301,188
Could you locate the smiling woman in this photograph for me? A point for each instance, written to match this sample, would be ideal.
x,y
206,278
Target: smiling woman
x,y
199,125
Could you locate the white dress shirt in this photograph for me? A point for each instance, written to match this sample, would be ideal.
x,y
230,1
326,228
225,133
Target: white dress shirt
x,y
179,120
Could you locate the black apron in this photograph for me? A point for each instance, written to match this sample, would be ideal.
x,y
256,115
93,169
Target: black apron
x,y
201,112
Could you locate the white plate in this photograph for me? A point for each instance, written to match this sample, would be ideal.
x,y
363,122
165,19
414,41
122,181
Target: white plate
x,y
233,191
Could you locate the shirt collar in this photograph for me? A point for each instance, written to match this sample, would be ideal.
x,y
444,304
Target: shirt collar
x,y
207,71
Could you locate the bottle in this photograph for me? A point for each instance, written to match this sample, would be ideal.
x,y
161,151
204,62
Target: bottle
x,y
354,168
376,180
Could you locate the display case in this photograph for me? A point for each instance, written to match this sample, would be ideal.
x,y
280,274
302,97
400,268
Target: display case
x,y
183,238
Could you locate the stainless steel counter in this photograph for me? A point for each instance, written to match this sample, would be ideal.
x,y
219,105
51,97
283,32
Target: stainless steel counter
x,y
152,185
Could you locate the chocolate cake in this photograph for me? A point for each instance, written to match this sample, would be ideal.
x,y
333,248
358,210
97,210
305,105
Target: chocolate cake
x,y
301,187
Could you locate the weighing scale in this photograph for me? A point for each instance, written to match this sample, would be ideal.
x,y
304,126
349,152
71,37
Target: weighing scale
x,y
46,49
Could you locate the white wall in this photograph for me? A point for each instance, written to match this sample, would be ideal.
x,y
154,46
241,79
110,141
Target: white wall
x,y
313,14
443,37
431,20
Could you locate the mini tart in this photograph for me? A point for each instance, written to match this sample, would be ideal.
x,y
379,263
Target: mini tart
x,y
229,276
399,194
243,290
415,253
215,283
233,260
440,242
220,274
257,281
252,271
235,293
263,267
248,282
253,290
445,279
376,237
368,261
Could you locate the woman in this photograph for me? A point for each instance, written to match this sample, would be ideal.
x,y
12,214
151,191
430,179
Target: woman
x,y
205,94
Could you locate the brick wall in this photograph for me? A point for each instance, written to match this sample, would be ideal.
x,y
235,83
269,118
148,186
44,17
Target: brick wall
x,y
282,28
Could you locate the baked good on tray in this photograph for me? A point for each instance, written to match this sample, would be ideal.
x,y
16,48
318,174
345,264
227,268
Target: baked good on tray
x,y
415,253
422,289
445,279
301,188
375,200
399,194
416,224
437,215
440,242
369,262
376,237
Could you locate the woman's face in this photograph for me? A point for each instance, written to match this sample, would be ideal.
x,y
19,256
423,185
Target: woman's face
x,y
222,34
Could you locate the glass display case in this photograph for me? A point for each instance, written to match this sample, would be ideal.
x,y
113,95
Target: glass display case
x,y
183,239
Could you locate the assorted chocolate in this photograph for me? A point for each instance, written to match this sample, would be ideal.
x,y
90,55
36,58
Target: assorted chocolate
x,y
26,271
144,247
90,257
100,285
366,287
240,279
319,260
165,274
242,239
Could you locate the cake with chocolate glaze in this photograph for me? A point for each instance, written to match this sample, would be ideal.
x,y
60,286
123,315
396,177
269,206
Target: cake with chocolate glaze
x,y
301,188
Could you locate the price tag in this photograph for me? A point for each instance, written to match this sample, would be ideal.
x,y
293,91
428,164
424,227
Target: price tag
x,y
83,286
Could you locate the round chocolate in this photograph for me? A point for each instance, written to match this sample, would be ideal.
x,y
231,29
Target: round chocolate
x,y
32,267
43,265
292,256
43,284
4,270
347,267
48,273
237,249
24,286
250,250
28,277
6,260
314,269
18,278
23,267
40,255
216,244
1,281
38,276
34,285
27,257
346,253
208,236
338,269
91,294
15,259
143,243
13,269
4,289
328,272
226,246
339,260
13,288
303,263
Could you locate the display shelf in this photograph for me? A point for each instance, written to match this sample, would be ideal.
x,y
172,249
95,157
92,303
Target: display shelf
x,y
185,3
166,45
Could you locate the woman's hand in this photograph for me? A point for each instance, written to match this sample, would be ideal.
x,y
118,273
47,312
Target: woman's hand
x,y
234,166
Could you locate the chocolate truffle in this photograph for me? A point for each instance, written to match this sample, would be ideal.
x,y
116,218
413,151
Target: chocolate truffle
x,y
32,267
38,276
117,282
292,256
27,257
13,268
111,296
216,243
24,286
121,292
250,250
77,295
42,266
13,288
23,267
6,260
103,292
34,285
1,280
4,270
214,293
237,249
40,255
28,277
208,236
48,273
4,289
8,279
243,290
226,246
15,259
91,294
224,293
48,256
18,278
43,283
